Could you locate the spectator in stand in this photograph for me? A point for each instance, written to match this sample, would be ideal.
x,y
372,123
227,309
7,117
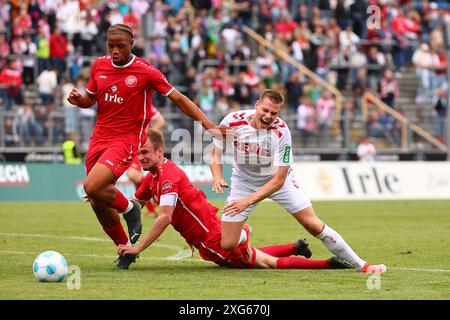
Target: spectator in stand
x,y
71,113
376,62
42,50
439,69
22,23
5,16
58,51
441,105
27,126
11,85
325,111
47,83
103,26
306,121
389,89
321,61
400,28
294,90
366,150
348,39
4,50
342,14
423,62
89,32
359,86
253,81
12,138
313,90
358,60
35,12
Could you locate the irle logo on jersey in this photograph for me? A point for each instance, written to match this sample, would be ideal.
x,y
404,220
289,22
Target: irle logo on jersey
x,y
113,97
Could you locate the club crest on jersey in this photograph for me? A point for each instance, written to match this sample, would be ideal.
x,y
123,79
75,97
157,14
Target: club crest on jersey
x,y
166,186
131,81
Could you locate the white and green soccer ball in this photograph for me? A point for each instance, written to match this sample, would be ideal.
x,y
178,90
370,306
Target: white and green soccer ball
x,y
50,266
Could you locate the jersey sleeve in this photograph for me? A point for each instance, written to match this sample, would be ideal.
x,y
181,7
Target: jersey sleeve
x,y
144,192
283,157
158,81
169,184
91,86
224,123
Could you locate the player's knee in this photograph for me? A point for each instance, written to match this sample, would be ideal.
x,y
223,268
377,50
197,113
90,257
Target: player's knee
x,y
228,245
91,188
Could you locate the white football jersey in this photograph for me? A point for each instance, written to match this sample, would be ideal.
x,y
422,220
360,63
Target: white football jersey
x,y
257,153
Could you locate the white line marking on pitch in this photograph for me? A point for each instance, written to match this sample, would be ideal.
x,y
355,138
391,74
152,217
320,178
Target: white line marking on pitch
x,y
181,252
90,255
419,269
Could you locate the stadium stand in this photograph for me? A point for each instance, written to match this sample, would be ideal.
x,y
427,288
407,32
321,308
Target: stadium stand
x,y
329,54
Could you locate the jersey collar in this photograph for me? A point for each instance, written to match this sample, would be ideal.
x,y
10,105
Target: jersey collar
x,y
125,65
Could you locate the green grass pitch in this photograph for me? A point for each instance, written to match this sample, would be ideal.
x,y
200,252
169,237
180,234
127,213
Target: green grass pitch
x,y
411,237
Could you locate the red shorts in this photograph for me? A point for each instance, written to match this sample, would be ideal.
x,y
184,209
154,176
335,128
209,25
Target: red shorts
x,y
211,250
116,155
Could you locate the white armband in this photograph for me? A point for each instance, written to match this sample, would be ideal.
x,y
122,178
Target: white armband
x,y
168,199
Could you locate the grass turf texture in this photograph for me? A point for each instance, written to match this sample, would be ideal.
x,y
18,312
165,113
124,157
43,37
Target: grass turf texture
x,y
411,237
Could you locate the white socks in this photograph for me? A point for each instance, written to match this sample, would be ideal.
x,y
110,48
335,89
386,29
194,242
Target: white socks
x,y
243,237
337,245
130,206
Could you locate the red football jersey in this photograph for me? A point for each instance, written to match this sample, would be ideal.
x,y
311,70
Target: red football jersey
x,y
124,96
194,217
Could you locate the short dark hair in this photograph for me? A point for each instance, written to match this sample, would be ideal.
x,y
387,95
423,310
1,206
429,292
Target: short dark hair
x,y
156,138
119,27
272,95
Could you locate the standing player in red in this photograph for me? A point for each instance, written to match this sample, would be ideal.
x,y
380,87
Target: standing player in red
x,y
134,172
189,212
122,85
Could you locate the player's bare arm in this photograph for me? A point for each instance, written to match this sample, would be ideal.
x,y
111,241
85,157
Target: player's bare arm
x,y
216,169
163,220
192,110
233,208
81,100
158,122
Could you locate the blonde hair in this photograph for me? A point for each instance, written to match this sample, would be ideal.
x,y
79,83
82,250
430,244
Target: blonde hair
x,y
156,138
272,95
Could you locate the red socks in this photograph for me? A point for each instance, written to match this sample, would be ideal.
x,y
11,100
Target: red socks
x,y
300,263
120,203
117,234
282,250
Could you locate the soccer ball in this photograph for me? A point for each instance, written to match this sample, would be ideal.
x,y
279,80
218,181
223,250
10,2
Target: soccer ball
x,y
50,266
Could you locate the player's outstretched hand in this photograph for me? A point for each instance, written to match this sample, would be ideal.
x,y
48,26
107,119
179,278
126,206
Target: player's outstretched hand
x,y
234,207
126,249
221,132
74,97
218,185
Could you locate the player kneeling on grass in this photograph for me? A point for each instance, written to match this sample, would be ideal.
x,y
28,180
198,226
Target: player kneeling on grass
x,y
187,209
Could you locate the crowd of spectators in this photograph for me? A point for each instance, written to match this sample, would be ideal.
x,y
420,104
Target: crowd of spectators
x,y
201,48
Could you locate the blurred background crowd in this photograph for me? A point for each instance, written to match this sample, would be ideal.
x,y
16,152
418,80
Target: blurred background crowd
x,y
47,47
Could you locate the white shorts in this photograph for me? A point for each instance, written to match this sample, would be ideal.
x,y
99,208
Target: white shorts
x,y
290,196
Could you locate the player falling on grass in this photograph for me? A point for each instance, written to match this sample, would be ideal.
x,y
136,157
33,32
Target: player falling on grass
x,y
134,172
262,154
122,85
189,212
